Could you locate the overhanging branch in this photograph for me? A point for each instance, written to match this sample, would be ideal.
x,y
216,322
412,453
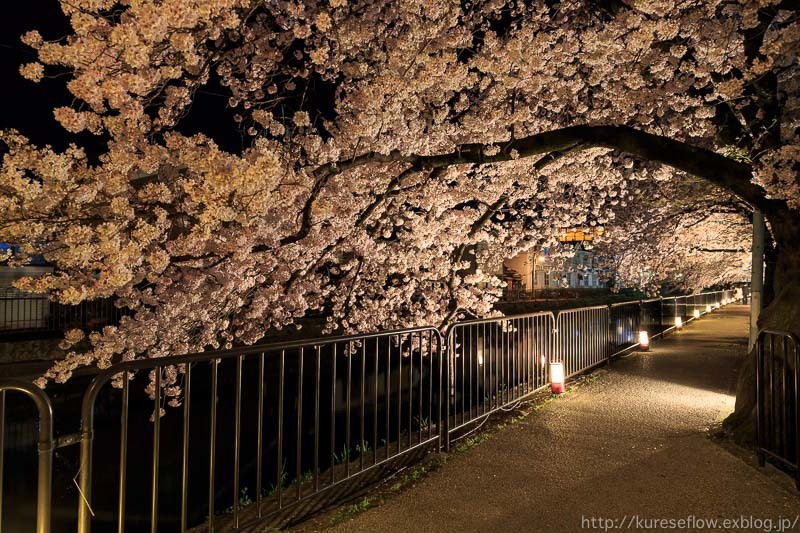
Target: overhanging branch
x,y
700,162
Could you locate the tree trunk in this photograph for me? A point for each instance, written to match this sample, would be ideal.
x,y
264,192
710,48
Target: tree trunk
x,y
780,314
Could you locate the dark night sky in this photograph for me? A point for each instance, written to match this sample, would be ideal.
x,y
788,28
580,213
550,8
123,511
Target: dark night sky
x,y
27,106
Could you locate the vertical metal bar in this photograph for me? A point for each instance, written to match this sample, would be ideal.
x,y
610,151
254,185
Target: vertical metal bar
x,y
349,387
280,473
796,361
421,376
771,418
362,400
498,365
760,400
784,401
316,416
156,451
410,385
333,415
237,439
444,382
430,383
123,453
486,362
466,340
212,447
400,393
260,435
187,399
2,449
463,384
375,407
388,394
299,441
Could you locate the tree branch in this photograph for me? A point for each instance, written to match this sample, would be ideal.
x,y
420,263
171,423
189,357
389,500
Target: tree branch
x,y
700,162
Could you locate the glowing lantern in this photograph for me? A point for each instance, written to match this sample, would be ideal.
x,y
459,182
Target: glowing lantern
x,y
644,341
557,378
717,306
678,323
479,352
708,308
696,313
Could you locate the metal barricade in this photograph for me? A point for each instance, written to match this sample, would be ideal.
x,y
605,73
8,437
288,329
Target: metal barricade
x,y
582,338
625,324
777,413
275,425
44,448
496,362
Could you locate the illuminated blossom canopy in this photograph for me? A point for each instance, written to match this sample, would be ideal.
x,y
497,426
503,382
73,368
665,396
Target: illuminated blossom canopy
x,y
387,148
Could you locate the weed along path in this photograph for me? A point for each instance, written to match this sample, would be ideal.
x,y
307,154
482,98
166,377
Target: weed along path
x,y
625,447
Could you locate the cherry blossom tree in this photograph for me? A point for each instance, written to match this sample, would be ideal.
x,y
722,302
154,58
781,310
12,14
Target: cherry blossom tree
x,y
382,143
679,234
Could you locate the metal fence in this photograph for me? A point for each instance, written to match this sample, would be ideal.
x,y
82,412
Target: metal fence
x,y
26,312
315,414
496,362
44,448
581,338
778,416
230,438
625,324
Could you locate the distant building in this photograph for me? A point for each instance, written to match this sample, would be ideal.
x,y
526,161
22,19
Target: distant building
x,y
537,270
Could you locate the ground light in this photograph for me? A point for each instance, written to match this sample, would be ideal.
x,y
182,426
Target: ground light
x,y
556,378
708,308
696,313
479,352
644,341
678,323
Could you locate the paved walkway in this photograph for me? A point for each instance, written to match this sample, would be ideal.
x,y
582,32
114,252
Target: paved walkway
x,y
632,444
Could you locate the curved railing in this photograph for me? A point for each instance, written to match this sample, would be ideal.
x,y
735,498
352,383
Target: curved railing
x,y
44,448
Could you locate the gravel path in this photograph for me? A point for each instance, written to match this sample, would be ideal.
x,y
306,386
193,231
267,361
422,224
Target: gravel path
x,y
629,446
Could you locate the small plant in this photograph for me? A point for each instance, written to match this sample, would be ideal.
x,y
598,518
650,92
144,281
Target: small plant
x,y
422,422
343,456
244,498
274,488
244,501
308,475
363,448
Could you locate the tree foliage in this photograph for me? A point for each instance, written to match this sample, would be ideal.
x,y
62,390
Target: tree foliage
x,y
378,145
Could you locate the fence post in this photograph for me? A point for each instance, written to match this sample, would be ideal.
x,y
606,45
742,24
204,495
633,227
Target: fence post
x,y
449,394
44,488
610,336
759,402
